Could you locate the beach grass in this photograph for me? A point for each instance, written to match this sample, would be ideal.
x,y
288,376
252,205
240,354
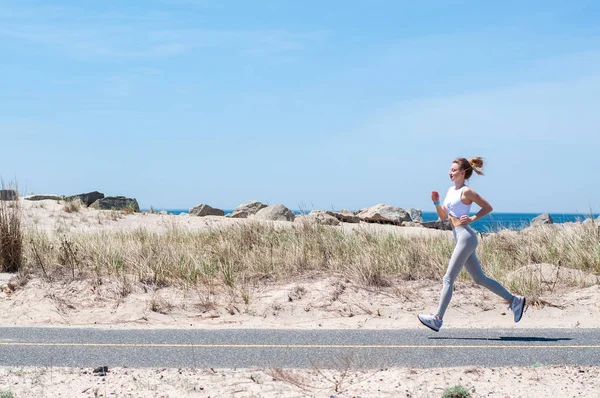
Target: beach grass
x,y
11,233
253,251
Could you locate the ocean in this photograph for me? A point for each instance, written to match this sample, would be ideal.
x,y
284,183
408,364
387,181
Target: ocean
x,y
490,223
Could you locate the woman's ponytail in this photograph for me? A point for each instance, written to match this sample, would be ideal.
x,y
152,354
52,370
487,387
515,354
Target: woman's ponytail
x,y
477,165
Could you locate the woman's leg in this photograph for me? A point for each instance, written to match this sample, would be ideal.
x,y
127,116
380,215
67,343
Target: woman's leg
x,y
474,268
466,244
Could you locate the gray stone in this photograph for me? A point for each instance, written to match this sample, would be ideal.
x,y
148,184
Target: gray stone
x,y
412,224
116,203
163,212
323,217
87,198
384,214
203,210
275,213
541,220
44,197
8,194
415,214
345,216
442,225
247,209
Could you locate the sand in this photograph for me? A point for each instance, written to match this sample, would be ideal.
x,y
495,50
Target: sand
x,y
543,381
314,302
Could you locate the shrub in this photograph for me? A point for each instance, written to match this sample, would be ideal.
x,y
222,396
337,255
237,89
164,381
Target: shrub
x,y
457,391
73,206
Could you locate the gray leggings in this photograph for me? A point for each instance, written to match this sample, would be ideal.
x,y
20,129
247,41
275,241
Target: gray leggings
x,y
464,254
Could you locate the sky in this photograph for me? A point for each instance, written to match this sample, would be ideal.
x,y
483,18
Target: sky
x,y
311,104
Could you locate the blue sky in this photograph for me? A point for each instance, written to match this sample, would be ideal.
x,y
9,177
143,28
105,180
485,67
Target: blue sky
x,y
312,104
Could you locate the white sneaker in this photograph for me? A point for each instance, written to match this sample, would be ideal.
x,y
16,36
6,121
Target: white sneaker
x,y
517,307
431,321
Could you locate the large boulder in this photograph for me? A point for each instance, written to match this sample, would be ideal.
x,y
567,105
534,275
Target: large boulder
x,y
43,197
345,216
247,209
542,219
203,210
116,203
442,225
415,214
8,194
323,217
384,214
275,213
87,198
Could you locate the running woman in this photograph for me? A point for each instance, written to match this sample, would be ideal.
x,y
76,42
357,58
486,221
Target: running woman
x,y
455,208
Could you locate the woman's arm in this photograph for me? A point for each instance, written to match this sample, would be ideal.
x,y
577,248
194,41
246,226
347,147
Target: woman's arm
x,y
473,196
441,210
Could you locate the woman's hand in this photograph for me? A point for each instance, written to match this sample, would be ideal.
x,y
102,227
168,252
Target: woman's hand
x,y
435,196
465,220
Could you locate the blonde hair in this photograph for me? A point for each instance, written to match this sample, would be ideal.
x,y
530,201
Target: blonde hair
x,y
470,166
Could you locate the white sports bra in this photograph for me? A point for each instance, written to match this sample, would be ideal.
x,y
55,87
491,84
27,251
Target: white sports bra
x,y
454,205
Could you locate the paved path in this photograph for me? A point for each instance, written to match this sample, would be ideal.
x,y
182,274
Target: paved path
x,y
79,347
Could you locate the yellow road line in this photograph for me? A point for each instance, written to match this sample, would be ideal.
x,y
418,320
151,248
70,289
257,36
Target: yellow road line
x,y
169,345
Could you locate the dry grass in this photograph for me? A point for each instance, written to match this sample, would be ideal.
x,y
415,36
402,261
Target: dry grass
x,y
11,234
253,252
573,247
73,206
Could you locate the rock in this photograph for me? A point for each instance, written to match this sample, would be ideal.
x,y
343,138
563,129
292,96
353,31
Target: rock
x,y
8,194
302,218
87,198
116,203
247,209
44,197
101,371
385,214
443,225
163,212
345,216
415,214
275,213
203,210
412,224
541,220
323,217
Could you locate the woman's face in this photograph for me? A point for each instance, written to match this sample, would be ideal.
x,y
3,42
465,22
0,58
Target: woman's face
x,y
456,172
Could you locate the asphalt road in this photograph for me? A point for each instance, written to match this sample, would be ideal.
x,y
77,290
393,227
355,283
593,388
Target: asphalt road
x,y
80,347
